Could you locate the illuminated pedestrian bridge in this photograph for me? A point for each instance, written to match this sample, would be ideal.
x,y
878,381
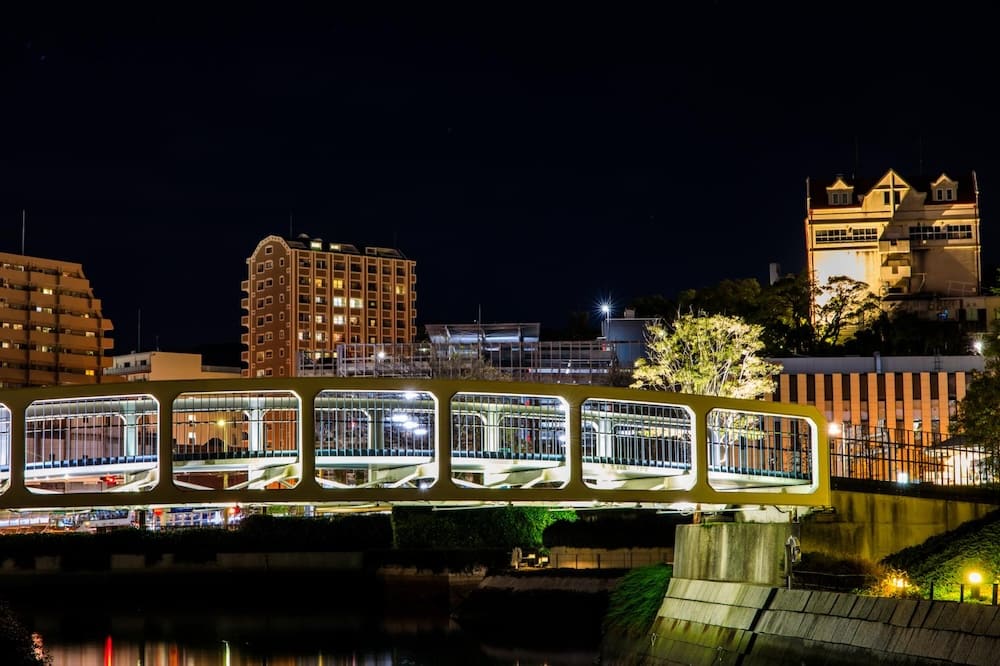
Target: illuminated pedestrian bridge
x,y
350,442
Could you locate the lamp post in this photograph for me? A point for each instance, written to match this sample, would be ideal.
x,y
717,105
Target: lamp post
x,y
606,309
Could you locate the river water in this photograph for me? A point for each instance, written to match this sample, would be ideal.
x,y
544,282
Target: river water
x,y
282,623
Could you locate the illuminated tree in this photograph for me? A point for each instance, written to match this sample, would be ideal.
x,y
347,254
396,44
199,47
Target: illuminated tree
x,y
706,355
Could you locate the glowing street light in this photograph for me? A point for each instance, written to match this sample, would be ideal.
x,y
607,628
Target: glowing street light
x,y
606,310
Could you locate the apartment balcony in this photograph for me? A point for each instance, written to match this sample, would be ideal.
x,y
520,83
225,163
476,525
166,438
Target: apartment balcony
x,y
245,286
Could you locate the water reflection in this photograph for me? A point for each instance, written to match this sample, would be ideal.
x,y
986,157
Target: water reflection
x,y
228,639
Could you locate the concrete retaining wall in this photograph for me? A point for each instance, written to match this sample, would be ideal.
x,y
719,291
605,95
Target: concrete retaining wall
x,y
565,557
871,525
706,622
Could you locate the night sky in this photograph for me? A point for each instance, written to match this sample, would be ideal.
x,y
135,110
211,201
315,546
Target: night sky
x,y
533,160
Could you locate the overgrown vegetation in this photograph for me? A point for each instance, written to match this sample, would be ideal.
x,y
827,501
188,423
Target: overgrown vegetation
x,y
946,560
635,601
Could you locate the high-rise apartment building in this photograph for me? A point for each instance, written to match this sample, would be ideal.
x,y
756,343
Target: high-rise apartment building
x,y
911,241
52,331
307,298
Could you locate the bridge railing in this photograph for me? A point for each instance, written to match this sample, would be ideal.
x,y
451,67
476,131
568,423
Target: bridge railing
x,y
350,440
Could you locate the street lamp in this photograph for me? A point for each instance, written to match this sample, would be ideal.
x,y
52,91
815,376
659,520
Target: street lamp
x,y
606,309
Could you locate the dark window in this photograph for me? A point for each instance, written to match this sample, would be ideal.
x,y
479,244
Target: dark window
x,y
916,385
793,388
935,393
828,387
845,387
811,388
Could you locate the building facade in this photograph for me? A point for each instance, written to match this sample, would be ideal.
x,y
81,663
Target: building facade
x,y
907,393
160,365
52,331
915,243
305,298
890,418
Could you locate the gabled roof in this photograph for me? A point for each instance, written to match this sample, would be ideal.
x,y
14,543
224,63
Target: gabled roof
x,y
967,186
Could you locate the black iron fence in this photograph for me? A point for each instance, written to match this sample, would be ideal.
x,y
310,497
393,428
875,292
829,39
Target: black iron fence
x,y
908,457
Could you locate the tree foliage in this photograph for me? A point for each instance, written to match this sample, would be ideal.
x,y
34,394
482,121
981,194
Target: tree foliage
x,y
978,419
706,355
844,306
850,320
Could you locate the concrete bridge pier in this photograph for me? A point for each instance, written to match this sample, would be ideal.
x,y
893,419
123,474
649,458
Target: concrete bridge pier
x,y
736,552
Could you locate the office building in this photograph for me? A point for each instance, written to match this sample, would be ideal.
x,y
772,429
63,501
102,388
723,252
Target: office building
x,y
52,331
306,298
915,242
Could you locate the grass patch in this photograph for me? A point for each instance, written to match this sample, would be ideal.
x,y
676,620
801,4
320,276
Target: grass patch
x,y
633,604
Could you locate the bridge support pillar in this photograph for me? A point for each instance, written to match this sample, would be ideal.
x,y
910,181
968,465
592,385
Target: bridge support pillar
x,y
732,552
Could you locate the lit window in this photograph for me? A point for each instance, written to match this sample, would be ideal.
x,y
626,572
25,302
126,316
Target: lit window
x,y
400,290
355,303
320,283
315,245
46,290
89,373
338,301
320,319
338,320
320,336
338,283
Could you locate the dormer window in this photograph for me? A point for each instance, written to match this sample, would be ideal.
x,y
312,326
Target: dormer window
x,y
840,198
944,194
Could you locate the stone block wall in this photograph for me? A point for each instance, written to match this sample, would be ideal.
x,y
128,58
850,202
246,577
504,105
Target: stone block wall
x,y
706,622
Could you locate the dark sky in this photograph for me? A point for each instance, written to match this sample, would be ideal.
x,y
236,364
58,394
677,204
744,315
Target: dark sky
x,y
533,160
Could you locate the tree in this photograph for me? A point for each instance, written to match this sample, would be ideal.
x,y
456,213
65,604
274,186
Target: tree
x,y
784,314
706,355
844,305
978,419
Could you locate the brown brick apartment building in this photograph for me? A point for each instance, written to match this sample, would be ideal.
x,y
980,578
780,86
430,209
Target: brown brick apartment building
x,y
52,331
306,297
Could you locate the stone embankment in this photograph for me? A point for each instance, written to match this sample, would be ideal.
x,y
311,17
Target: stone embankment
x,y
705,622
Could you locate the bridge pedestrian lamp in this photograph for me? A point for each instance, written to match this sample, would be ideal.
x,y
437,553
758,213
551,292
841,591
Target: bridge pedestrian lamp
x,y
975,580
